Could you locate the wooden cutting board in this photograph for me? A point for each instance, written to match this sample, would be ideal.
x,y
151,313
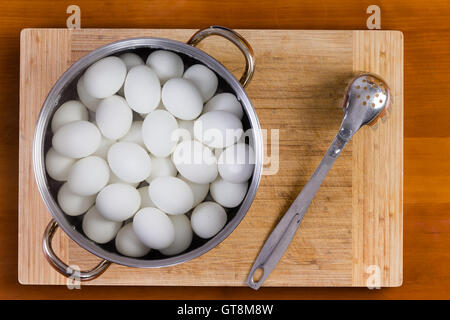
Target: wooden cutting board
x,y
353,232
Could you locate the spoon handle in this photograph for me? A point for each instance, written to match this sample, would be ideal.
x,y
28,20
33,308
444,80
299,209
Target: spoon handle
x,y
282,235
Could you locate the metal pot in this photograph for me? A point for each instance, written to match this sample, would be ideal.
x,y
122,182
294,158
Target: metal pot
x,y
64,90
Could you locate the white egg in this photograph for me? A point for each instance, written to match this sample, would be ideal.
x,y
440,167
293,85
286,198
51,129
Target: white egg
x,y
99,229
118,202
166,64
236,163
102,150
68,112
73,204
77,139
115,179
171,195
207,219
57,165
89,101
129,162
145,198
105,77
225,102
200,190
161,167
131,60
228,194
128,244
195,162
158,133
182,98
154,228
218,129
183,235
114,117
88,176
186,131
134,134
204,78
142,89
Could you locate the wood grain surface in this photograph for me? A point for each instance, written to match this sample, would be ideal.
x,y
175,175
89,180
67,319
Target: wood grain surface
x,y
354,225
426,127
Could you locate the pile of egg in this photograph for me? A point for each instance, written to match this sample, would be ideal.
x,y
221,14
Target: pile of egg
x,y
126,173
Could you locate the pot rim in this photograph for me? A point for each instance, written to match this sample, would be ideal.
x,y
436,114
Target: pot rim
x,y
52,101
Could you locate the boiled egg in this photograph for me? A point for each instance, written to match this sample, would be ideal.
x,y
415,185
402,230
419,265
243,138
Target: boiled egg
x,y
154,228
105,77
183,235
99,229
118,202
228,194
88,176
73,204
68,112
236,163
204,79
158,133
218,129
128,244
57,165
129,162
195,162
225,102
164,190
182,98
76,139
142,89
207,219
114,117
166,64
131,60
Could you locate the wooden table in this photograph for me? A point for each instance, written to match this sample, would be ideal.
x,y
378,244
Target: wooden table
x,y
427,127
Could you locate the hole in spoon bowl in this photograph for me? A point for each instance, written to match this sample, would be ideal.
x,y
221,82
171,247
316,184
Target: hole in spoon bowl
x,y
257,275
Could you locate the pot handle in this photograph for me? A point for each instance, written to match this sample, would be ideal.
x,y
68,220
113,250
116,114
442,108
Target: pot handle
x,y
237,40
62,267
